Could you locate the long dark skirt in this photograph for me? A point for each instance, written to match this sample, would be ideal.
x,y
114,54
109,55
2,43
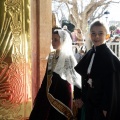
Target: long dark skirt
x,y
42,109
93,113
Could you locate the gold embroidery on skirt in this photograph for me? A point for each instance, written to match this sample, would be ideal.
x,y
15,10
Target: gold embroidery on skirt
x,y
58,105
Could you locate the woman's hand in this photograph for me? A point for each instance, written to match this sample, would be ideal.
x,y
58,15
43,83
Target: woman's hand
x,y
78,103
104,113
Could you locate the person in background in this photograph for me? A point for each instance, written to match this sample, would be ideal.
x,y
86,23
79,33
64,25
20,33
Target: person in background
x,y
78,36
115,48
100,71
88,41
55,96
111,33
81,52
116,39
74,38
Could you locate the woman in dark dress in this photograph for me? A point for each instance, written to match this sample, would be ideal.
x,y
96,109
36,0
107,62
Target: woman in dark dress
x,y
100,71
54,98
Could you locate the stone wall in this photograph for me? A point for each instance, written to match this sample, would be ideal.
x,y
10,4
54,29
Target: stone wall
x,y
45,33
41,24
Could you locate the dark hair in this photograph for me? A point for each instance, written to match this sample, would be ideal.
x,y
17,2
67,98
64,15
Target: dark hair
x,y
98,23
53,30
117,37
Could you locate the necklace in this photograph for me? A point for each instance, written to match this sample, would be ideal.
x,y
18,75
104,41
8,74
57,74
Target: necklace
x,y
55,59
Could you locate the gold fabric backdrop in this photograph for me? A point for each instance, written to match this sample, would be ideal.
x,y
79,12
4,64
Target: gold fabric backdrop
x,y
15,60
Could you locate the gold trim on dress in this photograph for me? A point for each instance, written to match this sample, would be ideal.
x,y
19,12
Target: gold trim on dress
x,y
58,105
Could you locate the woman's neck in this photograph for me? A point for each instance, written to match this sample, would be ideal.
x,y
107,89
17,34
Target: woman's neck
x,y
57,51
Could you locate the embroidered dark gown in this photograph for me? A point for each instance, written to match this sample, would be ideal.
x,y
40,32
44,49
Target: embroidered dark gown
x,y
61,90
105,93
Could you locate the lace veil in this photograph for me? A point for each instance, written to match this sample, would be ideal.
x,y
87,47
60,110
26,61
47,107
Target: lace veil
x,y
67,62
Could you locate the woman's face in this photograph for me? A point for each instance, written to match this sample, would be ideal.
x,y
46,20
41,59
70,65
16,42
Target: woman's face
x,y
56,41
98,35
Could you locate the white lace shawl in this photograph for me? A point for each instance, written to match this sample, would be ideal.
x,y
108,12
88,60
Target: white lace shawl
x,y
67,62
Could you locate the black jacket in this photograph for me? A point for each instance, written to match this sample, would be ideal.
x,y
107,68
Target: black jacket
x,y
105,74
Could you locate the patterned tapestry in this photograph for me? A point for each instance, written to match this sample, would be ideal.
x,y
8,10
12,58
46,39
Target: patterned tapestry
x,y
15,60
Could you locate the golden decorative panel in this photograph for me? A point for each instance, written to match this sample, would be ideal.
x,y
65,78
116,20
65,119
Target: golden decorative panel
x,y
15,60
